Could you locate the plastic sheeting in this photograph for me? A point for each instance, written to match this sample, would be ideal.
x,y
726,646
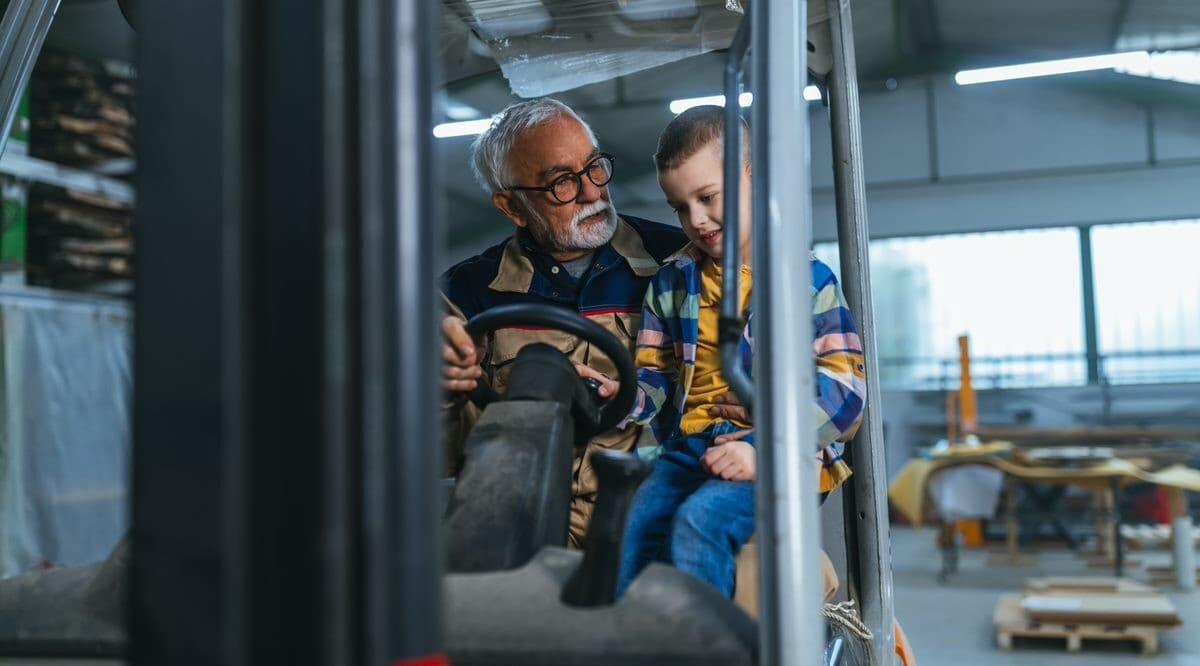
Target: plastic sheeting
x,y
966,491
64,427
546,46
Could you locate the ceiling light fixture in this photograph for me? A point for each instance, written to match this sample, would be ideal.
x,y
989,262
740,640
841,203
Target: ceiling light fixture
x,y
811,94
1181,66
462,128
1131,59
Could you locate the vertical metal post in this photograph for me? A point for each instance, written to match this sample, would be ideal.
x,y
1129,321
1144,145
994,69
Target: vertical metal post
x,y
730,329
1091,343
22,33
790,625
400,245
869,545
284,486
189,601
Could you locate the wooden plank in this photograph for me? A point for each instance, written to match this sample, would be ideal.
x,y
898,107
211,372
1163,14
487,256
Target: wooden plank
x,y
1142,609
1086,584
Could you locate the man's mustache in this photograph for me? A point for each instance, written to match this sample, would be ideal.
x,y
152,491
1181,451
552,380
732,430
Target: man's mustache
x,y
599,206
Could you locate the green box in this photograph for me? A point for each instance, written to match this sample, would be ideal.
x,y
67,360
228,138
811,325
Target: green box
x,y
15,213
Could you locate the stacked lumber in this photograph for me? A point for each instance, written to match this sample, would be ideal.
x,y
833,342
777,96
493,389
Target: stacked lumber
x,y
81,116
76,240
1079,609
81,112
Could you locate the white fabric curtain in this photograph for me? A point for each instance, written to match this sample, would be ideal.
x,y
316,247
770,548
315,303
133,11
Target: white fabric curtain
x,y
64,427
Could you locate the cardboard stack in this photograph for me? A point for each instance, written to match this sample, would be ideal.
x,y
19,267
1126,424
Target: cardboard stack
x,y
1076,609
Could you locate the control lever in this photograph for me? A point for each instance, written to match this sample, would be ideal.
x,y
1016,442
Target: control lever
x,y
595,582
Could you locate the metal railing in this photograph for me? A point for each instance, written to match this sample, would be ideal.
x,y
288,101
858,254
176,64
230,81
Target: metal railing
x,y
1055,369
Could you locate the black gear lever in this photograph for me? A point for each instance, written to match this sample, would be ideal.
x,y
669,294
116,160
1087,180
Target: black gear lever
x,y
595,582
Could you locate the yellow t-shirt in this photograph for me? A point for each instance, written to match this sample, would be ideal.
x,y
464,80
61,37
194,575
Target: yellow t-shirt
x,y
707,382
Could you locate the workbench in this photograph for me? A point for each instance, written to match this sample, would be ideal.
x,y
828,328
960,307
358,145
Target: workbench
x,y
908,491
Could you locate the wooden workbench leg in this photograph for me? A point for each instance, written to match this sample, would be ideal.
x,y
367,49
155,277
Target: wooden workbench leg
x,y
1103,502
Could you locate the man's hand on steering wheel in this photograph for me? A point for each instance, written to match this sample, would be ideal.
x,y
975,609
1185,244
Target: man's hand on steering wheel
x,y
608,387
461,357
727,405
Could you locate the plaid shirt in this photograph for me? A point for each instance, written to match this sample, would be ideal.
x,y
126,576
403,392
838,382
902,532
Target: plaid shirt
x,y
666,357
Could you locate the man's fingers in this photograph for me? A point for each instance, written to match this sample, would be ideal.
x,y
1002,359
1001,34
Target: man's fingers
x,y
459,385
727,398
589,373
451,355
456,335
729,412
608,387
452,372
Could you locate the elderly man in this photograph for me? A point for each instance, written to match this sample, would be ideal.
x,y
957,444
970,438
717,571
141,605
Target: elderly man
x,y
544,171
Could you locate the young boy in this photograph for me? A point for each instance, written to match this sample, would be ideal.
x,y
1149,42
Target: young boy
x,y
696,509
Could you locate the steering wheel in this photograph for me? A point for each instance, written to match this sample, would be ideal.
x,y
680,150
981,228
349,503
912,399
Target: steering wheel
x,y
567,321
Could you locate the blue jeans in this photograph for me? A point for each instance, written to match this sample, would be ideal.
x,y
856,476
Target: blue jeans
x,y
684,516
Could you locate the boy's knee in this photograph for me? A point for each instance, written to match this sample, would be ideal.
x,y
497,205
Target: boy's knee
x,y
694,523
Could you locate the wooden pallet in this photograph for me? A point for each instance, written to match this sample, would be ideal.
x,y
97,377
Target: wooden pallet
x,y
1012,622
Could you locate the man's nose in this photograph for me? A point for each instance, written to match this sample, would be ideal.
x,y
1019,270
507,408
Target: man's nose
x,y
588,191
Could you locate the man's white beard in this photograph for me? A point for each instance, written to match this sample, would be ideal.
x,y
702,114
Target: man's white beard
x,y
575,236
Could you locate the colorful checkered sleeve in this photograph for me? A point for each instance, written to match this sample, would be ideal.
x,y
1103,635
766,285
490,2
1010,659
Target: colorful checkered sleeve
x,y
656,359
841,387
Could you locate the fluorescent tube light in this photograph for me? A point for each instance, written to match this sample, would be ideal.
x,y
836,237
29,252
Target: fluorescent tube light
x,y
811,94
1181,66
1130,59
462,128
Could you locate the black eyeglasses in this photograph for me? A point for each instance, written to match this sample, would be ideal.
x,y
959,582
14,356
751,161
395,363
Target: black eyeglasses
x,y
566,188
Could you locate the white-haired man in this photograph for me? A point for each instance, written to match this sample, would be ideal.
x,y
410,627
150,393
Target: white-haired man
x,y
545,172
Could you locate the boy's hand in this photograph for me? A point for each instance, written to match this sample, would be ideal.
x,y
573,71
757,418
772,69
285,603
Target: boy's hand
x,y
731,436
731,460
608,387
728,407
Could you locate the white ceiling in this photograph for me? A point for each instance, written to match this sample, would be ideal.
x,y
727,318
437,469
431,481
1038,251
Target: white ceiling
x,y
893,38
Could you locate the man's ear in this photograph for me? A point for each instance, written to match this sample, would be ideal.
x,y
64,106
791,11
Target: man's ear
x,y
746,167
506,203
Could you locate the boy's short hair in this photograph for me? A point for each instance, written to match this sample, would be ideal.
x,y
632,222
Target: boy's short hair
x,y
692,130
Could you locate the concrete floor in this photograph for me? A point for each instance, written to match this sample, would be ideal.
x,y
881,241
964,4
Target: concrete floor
x,y
952,623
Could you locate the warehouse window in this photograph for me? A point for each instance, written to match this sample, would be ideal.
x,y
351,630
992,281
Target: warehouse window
x,y
1148,301
1017,294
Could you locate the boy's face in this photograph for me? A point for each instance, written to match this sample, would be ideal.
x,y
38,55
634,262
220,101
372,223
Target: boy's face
x,y
694,190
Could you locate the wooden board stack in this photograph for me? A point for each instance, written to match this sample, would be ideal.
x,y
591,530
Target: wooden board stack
x,y
76,240
81,112
1079,609
81,116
